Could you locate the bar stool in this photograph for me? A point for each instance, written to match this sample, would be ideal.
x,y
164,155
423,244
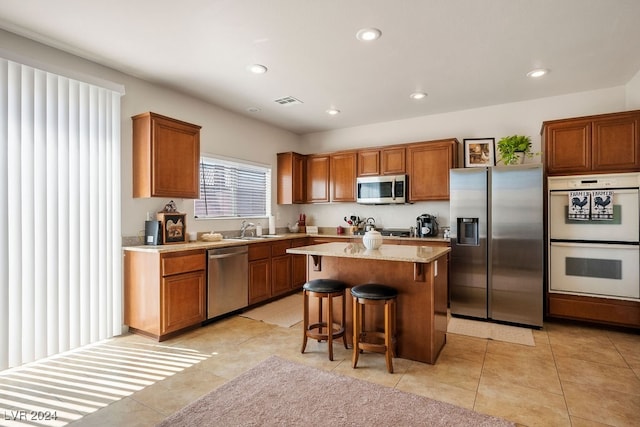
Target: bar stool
x,y
321,289
364,340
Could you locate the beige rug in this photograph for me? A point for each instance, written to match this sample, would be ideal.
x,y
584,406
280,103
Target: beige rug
x,y
493,331
284,312
278,392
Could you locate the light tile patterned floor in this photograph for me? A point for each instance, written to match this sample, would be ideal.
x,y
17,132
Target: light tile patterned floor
x,y
575,375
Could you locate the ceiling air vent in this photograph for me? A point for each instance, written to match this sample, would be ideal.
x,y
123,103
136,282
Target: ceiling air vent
x,y
288,100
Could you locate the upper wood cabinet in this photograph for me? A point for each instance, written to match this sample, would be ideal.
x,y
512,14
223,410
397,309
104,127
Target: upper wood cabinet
x,y
369,162
382,161
343,176
428,165
292,180
166,157
318,178
593,144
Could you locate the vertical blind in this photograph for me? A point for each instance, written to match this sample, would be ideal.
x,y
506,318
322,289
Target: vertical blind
x,y
60,239
232,189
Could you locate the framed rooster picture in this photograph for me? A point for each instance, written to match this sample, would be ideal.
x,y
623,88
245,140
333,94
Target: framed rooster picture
x,y
174,227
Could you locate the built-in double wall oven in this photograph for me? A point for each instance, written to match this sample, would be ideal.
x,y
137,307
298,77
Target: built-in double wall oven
x,y
594,234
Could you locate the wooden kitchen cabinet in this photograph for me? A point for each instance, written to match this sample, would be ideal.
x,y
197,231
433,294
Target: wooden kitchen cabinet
x,y
259,272
593,144
382,161
343,172
166,157
318,178
393,161
369,162
298,264
291,178
164,293
280,267
428,165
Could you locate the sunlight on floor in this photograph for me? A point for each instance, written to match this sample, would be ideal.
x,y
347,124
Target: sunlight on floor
x,y
64,388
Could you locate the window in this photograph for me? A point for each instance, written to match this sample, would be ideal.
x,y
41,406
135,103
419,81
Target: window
x,y
232,189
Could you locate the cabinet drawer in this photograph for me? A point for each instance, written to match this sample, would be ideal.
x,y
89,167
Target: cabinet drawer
x,y
259,251
182,263
280,248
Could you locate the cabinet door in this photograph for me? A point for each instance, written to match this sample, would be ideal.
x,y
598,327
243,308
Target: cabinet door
x,y
368,162
568,147
616,144
280,274
343,177
392,161
166,157
291,178
183,301
259,280
428,167
318,178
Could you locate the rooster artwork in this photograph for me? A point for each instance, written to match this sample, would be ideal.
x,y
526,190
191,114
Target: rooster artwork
x,y
579,206
602,205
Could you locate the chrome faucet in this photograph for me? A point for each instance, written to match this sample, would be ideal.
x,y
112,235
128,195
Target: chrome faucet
x,y
244,226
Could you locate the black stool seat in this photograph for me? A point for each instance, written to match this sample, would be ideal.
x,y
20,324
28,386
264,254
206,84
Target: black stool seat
x,y
324,286
373,291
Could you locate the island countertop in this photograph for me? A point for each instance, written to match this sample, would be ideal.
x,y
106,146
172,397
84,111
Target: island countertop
x,y
420,254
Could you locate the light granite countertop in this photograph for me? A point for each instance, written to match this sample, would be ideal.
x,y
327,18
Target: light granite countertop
x,y
422,254
176,247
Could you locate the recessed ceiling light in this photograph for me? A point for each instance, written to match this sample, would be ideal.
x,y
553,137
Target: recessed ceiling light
x,y
537,73
253,109
257,68
418,95
333,111
368,34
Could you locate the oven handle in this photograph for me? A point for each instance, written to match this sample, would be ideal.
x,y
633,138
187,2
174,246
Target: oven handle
x,y
633,247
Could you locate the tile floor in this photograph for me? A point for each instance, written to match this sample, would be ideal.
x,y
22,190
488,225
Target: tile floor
x,y
576,375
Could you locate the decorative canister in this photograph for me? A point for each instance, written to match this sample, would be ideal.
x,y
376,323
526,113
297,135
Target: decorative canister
x,y
372,239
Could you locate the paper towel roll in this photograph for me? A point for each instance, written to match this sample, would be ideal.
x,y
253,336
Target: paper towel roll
x,y
272,224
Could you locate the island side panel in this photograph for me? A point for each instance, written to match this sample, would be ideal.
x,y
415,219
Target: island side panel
x,y
421,308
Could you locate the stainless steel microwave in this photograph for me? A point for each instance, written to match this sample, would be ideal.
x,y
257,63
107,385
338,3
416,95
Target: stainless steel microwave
x,y
382,190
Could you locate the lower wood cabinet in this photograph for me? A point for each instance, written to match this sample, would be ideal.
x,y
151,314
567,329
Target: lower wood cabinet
x,y
272,271
591,309
164,293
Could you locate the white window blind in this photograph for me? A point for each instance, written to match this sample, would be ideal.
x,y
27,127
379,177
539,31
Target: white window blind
x,y
233,189
60,239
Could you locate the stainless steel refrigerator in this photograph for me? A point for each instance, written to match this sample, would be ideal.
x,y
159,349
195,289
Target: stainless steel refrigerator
x,y
497,244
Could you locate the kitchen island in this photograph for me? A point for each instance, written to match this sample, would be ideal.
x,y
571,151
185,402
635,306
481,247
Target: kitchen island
x,y
419,273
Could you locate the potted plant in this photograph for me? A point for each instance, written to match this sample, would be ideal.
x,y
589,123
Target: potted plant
x,y
510,146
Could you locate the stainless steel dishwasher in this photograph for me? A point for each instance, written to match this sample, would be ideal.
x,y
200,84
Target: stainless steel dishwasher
x,y
227,280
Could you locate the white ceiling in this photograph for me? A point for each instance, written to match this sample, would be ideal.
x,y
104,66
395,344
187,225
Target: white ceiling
x,y
463,53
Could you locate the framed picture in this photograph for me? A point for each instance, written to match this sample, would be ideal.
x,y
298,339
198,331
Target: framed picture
x,y
479,152
174,227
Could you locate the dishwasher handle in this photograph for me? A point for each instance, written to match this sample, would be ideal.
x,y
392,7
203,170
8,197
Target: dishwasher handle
x,y
227,252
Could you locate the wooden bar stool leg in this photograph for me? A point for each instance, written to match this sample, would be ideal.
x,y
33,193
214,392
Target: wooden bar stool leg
x,y
305,316
388,320
330,326
344,314
356,331
320,316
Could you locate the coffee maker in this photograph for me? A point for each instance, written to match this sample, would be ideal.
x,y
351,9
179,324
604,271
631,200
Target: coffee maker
x,y
426,226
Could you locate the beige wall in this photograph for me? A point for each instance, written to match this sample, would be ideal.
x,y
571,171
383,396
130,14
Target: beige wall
x,y
223,133
494,121
228,134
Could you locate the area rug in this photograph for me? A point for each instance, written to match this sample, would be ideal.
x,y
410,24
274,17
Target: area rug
x,y
493,331
278,392
284,312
